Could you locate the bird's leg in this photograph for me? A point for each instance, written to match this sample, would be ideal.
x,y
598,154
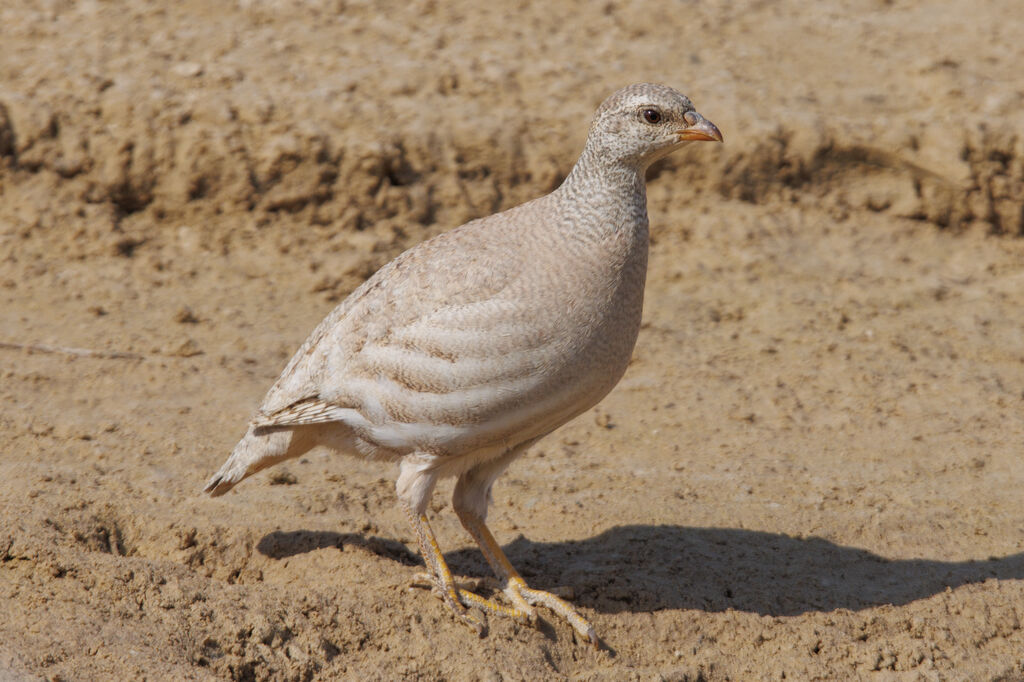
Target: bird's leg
x,y
454,596
515,588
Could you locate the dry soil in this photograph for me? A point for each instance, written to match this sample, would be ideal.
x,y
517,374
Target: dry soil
x,y
812,469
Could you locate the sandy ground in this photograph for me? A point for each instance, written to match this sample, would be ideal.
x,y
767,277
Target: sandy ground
x,y
812,470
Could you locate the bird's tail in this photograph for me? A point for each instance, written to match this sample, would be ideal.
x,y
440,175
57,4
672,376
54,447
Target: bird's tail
x,y
258,449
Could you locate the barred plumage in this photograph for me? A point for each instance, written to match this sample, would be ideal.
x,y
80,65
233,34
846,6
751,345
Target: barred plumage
x,y
467,348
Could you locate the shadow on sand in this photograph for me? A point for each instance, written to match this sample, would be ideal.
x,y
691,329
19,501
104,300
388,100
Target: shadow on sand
x,y
650,568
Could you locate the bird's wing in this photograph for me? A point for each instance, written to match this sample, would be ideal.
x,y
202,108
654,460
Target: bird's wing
x,y
419,325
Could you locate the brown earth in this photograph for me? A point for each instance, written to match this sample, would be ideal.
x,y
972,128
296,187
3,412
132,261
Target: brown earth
x,y
813,468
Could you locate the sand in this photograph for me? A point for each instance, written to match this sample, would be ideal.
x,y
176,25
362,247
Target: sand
x,y
812,469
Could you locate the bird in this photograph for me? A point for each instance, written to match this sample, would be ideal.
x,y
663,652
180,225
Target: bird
x,y
462,352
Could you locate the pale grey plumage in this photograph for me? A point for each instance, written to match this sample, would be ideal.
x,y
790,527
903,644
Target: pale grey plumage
x,y
467,348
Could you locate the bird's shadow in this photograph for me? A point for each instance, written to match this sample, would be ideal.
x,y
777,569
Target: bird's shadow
x,y
643,568
283,544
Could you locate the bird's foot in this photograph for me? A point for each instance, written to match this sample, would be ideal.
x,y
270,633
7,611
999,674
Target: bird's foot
x,y
525,597
469,607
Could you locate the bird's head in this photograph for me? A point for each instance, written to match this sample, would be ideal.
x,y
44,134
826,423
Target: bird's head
x,y
641,123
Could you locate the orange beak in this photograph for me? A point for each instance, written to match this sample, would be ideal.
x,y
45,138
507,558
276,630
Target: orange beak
x,y
701,130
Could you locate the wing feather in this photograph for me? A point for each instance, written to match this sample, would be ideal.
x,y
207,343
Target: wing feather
x,y
307,411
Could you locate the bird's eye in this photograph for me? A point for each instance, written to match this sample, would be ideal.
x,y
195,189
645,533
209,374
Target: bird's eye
x,y
652,116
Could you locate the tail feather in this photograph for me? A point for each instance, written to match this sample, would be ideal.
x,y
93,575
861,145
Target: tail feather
x,y
254,453
221,482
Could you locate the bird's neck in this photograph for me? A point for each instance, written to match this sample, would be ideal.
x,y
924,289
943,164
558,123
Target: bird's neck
x,y
594,170
615,191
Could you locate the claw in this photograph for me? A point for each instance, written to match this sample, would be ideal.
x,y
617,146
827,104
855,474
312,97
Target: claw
x,y
423,581
475,619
